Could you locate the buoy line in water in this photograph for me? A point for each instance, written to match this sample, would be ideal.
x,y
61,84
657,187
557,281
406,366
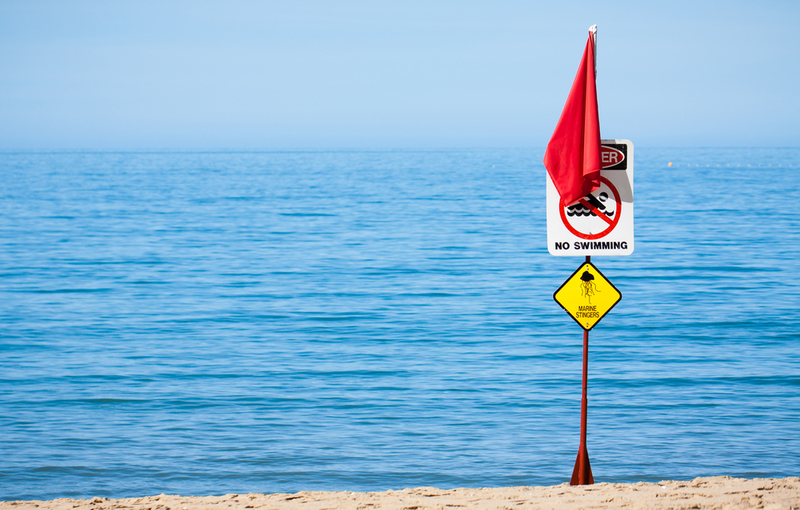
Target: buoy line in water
x,y
728,165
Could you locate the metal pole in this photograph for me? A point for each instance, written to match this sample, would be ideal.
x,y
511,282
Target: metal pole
x,y
582,474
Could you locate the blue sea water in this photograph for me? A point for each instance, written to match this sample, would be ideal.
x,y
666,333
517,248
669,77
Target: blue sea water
x,y
206,323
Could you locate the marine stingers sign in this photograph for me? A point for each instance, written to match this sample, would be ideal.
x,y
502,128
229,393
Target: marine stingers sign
x,y
601,223
587,296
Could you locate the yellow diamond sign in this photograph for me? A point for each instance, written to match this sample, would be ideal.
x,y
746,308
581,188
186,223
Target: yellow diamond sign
x,y
587,296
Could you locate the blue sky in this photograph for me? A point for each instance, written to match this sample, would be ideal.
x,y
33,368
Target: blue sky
x,y
394,74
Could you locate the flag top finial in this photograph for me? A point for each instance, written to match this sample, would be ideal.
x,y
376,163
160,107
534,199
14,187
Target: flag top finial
x,y
593,31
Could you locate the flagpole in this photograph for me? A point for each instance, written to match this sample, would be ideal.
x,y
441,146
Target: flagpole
x,y
582,473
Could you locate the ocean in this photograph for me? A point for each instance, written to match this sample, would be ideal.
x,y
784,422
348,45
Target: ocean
x,y
202,323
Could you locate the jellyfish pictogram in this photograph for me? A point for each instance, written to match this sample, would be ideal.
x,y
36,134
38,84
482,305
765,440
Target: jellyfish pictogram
x,y
588,287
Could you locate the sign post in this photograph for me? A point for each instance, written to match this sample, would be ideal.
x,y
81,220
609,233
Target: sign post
x,y
589,212
582,472
600,223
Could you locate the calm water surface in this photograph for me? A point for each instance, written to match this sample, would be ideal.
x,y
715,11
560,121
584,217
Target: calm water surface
x,y
206,323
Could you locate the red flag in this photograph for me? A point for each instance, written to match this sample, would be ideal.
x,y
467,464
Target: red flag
x,y
572,157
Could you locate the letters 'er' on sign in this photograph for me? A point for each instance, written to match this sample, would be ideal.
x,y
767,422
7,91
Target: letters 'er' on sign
x,y
601,223
587,296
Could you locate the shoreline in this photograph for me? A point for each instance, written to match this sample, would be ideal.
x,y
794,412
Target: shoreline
x,y
717,492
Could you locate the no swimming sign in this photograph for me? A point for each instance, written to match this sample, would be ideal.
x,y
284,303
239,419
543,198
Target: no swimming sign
x,y
600,223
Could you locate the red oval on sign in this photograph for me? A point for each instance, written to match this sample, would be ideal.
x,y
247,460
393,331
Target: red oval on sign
x,y
610,156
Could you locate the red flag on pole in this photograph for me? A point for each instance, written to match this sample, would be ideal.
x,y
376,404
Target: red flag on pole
x,y
572,157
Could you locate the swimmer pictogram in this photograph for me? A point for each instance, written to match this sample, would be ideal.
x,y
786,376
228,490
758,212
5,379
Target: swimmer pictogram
x,y
597,205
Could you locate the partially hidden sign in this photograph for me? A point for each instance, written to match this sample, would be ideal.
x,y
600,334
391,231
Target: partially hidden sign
x,y
601,223
587,296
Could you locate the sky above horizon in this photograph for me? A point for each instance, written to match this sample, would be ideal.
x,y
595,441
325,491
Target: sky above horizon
x,y
245,74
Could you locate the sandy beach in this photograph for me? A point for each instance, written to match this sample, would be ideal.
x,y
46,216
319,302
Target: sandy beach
x,y
701,493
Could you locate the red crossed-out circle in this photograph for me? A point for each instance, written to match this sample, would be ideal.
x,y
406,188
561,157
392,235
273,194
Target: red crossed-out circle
x,y
611,222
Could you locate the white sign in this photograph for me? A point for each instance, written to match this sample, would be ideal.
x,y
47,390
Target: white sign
x,y
601,223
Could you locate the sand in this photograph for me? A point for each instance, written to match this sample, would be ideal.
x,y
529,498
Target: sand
x,y
701,493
